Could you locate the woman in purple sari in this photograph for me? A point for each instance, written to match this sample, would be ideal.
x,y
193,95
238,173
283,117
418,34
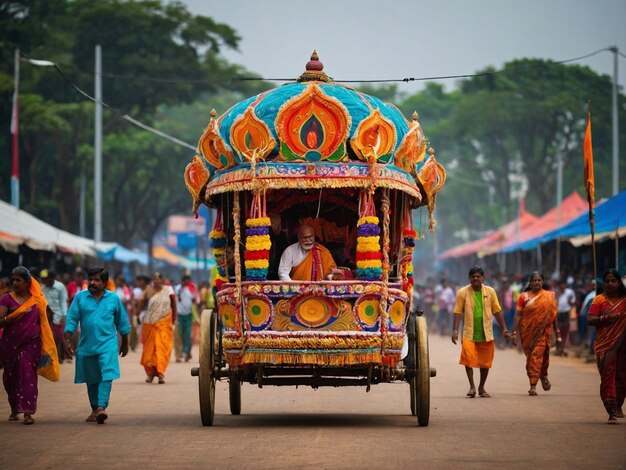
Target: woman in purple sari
x,y
25,348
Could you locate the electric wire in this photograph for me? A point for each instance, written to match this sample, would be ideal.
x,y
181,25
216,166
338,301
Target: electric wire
x,y
173,139
390,80
121,114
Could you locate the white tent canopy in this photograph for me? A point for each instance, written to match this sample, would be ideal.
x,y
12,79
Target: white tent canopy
x,y
19,227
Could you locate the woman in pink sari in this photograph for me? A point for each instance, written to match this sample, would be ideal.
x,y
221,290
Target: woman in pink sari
x,y
535,316
27,347
608,314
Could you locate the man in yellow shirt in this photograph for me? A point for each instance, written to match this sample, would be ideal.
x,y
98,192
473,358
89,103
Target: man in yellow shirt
x,y
477,304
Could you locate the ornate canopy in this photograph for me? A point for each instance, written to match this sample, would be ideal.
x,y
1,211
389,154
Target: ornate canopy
x,y
313,133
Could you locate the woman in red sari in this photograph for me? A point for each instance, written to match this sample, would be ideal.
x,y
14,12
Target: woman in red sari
x,y
535,316
608,314
27,347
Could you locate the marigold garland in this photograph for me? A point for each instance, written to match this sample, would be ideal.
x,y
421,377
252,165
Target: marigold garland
x,y
259,222
408,236
368,254
217,241
258,246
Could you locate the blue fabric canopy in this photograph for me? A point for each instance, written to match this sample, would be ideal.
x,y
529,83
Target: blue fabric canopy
x,y
610,215
119,253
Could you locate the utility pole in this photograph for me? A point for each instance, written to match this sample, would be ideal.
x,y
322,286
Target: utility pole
x,y
615,51
82,212
97,233
559,202
15,154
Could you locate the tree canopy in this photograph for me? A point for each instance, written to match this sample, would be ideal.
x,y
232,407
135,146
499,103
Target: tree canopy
x,y
494,133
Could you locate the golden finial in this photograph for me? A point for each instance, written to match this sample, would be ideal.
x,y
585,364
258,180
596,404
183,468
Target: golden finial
x,y
314,70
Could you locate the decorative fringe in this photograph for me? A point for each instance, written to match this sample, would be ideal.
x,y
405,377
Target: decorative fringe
x,y
391,360
325,358
296,341
332,342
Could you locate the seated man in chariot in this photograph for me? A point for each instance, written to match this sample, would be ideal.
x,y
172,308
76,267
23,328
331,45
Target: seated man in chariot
x,y
307,260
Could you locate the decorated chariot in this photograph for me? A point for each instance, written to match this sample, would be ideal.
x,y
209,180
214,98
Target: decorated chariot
x,y
351,166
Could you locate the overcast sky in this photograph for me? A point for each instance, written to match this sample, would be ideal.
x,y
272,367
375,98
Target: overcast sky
x,y
394,39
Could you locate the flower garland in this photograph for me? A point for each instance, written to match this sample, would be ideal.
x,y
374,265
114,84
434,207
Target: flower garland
x,y
217,241
409,235
369,264
258,241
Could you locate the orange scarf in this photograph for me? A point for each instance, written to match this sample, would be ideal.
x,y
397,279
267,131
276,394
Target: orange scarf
x,y
49,360
317,264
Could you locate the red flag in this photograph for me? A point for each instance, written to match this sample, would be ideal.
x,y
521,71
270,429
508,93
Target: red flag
x,y
588,154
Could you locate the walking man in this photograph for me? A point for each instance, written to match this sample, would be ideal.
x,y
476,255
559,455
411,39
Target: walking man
x,y
101,316
477,304
186,299
55,293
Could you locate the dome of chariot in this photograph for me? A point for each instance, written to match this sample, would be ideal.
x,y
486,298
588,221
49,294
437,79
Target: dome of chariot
x,y
338,129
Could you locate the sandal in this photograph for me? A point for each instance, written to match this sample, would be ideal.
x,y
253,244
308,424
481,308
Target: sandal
x,y
471,394
91,418
612,420
13,417
161,380
101,417
28,419
532,392
545,383
484,395
150,379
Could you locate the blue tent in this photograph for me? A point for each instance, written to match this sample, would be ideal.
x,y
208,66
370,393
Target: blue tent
x,y
116,252
610,216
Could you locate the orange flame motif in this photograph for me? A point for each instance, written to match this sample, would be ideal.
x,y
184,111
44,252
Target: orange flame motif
x,y
213,147
312,126
250,136
375,138
196,177
432,177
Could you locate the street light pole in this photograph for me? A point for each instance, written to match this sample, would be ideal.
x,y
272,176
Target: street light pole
x,y
614,50
15,154
98,150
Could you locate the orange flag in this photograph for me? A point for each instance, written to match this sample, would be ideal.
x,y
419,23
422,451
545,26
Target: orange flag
x,y
588,154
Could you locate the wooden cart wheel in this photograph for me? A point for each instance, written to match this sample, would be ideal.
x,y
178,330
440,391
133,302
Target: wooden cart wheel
x,y
422,375
206,377
410,361
234,395
412,391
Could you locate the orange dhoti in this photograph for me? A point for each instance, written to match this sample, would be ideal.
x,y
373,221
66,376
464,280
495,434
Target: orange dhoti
x,y
477,353
157,346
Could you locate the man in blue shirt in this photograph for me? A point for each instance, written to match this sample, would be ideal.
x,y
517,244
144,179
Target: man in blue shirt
x,y
101,315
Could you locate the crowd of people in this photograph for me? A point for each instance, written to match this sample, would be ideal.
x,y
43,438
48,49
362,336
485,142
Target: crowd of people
x,y
90,318
574,297
535,310
95,319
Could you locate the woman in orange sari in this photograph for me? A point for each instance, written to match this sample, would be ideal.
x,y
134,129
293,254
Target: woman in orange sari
x,y
534,317
608,314
157,326
27,347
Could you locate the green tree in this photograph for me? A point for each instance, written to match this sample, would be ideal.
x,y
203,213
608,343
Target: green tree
x,y
511,124
156,57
